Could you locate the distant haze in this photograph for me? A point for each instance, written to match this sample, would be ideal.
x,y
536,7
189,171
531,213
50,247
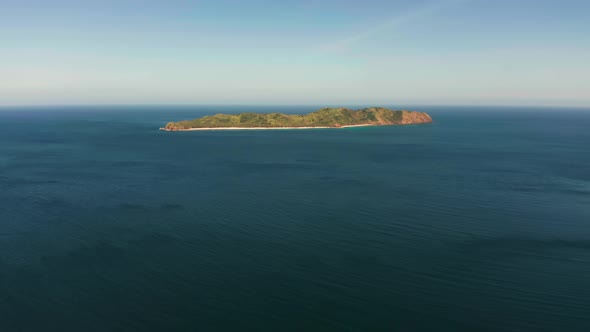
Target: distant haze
x,y
525,52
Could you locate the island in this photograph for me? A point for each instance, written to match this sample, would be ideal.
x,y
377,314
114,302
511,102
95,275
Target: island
x,y
322,118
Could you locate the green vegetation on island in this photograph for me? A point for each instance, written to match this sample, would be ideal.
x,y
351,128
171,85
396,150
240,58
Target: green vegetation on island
x,y
325,117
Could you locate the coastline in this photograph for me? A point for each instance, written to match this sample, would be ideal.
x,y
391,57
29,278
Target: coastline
x,y
324,118
266,128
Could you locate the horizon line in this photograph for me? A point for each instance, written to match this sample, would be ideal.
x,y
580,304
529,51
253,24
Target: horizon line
x,y
68,105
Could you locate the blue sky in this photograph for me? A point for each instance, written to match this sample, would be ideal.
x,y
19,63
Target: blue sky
x,y
509,52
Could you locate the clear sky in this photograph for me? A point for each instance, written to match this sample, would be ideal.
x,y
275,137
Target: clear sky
x,y
295,52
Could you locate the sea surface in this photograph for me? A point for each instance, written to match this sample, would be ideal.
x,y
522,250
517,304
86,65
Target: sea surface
x,y
479,221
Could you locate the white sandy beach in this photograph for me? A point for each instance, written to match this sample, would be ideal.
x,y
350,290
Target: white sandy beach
x,y
268,128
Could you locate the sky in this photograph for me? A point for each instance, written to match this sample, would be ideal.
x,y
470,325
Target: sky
x,y
472,52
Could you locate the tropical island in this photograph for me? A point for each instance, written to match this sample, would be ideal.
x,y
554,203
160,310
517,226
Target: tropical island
x,y
322,118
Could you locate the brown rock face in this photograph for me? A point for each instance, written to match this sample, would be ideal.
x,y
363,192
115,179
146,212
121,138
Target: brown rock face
x,y
415,117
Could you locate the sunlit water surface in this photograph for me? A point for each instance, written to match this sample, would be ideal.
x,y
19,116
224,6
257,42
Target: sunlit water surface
x,y
477,222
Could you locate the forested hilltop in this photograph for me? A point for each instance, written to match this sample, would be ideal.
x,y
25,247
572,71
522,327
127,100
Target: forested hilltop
x,y
325,117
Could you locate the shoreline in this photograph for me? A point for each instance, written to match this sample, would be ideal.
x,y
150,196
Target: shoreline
x,y
268,128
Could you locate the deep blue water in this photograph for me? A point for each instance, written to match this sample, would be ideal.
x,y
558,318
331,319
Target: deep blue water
x,y
477,222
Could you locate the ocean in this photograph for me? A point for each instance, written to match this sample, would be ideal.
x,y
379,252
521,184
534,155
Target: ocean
x,y
479,221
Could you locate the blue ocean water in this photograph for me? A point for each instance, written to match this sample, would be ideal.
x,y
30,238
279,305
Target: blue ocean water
x,y
477,222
